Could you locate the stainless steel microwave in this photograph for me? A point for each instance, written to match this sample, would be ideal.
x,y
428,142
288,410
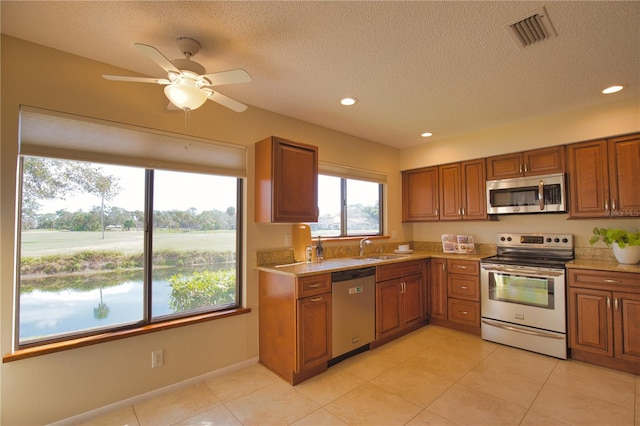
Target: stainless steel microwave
x,y
535,194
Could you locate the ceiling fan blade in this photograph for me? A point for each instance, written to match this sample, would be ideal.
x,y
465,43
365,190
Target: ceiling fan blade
x,y
136,79
228,77
227,101
157,57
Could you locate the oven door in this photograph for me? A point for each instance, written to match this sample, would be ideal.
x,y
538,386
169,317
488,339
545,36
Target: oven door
x,y
530,296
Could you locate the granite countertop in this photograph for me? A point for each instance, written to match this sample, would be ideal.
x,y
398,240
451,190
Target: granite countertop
x,y
301,269
602,265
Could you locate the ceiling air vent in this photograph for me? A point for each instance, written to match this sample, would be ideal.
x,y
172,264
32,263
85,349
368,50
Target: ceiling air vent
x,y
532,28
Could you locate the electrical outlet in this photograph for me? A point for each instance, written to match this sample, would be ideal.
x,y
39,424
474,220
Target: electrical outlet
x,y
287,240
157,358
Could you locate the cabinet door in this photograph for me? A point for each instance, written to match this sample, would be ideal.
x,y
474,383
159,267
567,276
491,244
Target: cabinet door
x,y
505,166
314,331
588,179
544,161
412,300
590,321
624,167
295,189
420,195
474,192
388,308
450,192
438,288
627,326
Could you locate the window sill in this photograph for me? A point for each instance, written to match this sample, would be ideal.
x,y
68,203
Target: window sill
x,y
117,335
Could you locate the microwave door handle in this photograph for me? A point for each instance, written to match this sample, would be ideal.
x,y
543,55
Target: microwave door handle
x,y
541,194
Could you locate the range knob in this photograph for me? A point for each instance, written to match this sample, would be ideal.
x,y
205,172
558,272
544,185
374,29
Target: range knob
x,y
548,239
509,238
556,240
502,238
565,240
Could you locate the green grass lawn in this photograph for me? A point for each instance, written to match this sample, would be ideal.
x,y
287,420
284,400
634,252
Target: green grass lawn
x,y
38,242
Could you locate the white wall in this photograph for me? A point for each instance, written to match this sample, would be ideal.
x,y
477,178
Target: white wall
x,y
57,386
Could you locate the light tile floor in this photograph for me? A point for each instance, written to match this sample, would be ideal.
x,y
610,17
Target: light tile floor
x,y
433,376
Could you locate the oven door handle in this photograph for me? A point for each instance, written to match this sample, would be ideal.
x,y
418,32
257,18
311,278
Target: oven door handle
x,y
523,271
522,330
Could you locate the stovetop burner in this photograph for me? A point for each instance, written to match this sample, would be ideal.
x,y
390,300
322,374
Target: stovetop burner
x,y
543,250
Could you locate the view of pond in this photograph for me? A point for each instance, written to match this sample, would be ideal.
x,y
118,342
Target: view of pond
x,y
78,306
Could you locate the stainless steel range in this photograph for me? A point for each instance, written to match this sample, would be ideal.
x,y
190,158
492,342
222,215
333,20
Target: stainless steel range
x,y
523,292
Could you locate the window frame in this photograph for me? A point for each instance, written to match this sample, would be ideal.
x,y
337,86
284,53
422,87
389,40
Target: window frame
x,y
148,322
344,208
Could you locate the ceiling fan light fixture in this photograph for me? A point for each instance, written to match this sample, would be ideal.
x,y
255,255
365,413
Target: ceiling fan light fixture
x,y
185,94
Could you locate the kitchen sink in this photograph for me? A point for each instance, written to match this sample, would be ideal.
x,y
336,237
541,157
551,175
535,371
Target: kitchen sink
x,y
384,256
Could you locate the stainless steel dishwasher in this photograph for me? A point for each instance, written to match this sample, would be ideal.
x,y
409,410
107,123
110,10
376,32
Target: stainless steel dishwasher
x,y
353,301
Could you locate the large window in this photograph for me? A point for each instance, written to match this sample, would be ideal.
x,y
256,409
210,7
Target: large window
x,y
348,207
105,247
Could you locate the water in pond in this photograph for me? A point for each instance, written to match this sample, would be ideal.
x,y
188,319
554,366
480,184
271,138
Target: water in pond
x,y
81,305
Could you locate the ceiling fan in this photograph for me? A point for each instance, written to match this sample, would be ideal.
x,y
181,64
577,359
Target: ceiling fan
x,y
187,86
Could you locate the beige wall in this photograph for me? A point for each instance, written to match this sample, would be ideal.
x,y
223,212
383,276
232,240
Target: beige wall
x,y
614,118
57,386
52,387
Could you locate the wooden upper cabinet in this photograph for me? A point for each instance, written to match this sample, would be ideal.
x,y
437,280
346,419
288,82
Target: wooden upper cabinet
x,y
462,191
450,192
604,179
474,193
420,195
588,179
286,181
529,163
624,176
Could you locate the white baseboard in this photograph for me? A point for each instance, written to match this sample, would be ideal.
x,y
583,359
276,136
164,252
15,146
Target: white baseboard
x,y
85,417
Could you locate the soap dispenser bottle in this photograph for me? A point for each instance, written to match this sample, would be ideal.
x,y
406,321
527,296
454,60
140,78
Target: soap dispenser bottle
x,y
319,250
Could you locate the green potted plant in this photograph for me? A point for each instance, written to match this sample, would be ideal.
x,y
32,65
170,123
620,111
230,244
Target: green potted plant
x,y
626,244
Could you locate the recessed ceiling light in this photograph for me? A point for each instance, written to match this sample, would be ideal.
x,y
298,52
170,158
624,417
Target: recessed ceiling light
x,y
426,134
349,101
612,89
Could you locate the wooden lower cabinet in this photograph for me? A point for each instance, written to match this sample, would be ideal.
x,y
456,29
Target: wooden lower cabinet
x,y
604,318
294,324
438,289
400,299
455,294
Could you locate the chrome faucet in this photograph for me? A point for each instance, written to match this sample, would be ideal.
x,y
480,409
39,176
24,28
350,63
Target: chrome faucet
x,y
363,242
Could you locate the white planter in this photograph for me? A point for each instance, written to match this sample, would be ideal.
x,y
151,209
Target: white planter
x,y
629,255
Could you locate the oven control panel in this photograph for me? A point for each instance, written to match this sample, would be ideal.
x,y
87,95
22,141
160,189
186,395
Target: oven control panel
x,y
564,241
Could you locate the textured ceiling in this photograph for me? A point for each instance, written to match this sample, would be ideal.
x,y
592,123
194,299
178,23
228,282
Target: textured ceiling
x,y
447,67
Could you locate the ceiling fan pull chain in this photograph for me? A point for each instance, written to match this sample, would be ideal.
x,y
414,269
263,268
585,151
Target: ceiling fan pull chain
x,y
187,130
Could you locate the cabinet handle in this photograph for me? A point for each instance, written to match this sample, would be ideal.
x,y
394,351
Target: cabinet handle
x,y
314,285
403,287
461,267
526,168
606,205
436,212
464,312
464,287
613,204
520,167
316,299
615,303
610,281
608,302
443,265
463,211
